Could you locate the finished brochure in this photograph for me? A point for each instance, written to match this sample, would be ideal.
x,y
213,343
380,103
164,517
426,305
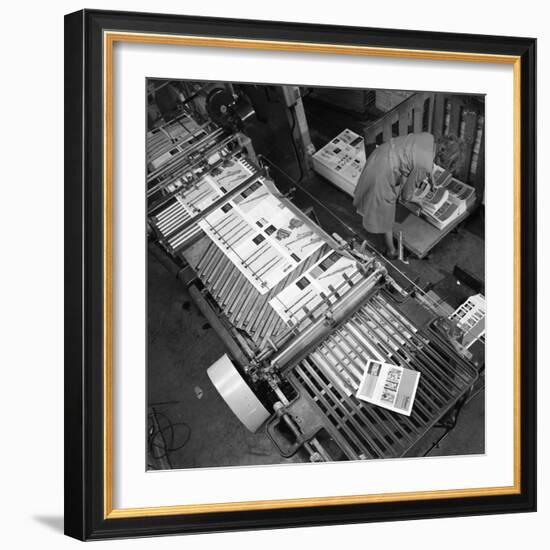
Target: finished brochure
x,y
389,386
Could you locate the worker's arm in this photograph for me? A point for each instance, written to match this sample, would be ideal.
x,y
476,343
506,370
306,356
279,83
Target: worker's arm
x,y
416,176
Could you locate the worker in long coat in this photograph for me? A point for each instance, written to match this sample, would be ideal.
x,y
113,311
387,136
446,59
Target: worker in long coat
x,y
396,169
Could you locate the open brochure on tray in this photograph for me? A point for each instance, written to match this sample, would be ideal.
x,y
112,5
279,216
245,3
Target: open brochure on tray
x,y
389,386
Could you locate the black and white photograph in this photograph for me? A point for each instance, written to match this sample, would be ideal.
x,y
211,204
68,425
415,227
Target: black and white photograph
x,y
296,235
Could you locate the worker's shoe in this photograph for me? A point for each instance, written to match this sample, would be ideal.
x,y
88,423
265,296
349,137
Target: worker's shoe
x,y
391,254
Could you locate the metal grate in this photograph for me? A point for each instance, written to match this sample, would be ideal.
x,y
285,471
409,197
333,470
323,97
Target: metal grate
x,y
329,377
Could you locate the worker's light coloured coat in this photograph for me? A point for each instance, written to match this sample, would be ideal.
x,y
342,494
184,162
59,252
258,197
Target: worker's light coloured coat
x,y
395,167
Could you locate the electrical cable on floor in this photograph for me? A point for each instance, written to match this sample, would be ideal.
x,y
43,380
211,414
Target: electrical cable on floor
x,y
344,224
161,440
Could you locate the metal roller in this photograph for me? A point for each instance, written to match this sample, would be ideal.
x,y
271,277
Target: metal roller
x,y
237,394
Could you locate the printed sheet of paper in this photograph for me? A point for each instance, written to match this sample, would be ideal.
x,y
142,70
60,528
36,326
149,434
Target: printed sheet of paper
x,y
447,201
229,175
261,235
389,386
440,176
171,135
199,196
211,187
322,281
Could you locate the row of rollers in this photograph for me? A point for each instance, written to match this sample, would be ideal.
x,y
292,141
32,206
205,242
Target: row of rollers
x,y
171,219
172,216
268,323
437,361
265,321
162,142
349,348
177,218
239,160
179,164
359,426
239,300
161,148
180,141
431,395
352,278
432,392
179,239
182,172
315,313
243,304
176,215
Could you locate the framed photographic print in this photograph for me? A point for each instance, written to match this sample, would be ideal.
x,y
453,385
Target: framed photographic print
x,y
300,274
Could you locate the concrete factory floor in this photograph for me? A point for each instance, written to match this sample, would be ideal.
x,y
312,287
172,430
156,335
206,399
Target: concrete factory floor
x,y
182,345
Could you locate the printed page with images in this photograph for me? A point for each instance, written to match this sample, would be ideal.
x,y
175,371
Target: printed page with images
x,y
389,386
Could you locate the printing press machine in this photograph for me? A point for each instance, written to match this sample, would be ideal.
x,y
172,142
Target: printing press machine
x,y
300,311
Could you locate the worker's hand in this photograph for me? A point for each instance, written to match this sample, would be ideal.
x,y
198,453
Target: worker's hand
x,y
414,206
